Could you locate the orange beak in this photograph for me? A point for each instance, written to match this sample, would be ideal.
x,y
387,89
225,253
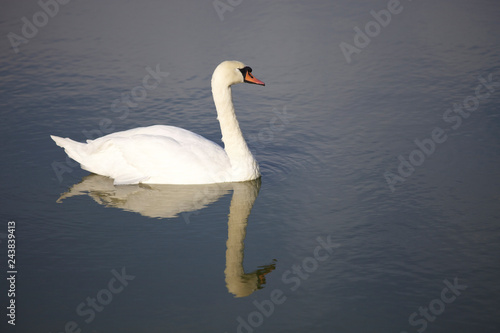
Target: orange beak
x,y
249,78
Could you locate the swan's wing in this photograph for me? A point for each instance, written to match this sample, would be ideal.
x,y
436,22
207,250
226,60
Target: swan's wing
x,y
176,133
157,154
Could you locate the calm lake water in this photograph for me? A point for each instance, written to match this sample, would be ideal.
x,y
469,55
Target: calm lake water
x,y
378,137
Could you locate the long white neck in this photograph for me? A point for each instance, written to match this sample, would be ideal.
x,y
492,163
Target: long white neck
x,y
242,160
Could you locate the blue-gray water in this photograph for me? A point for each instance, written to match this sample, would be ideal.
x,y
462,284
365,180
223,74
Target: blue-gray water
x,y
414,227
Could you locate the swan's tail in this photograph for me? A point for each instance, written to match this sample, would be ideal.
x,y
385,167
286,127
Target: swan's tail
x,y
75,150
101,159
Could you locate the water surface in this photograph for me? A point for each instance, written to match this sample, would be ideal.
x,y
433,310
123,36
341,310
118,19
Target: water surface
x,y
330,239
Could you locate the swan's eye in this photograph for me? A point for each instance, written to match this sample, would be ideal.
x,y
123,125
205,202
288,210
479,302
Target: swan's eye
x,y
245,70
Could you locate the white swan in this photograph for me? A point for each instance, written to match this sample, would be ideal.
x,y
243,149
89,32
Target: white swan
x,y
171,155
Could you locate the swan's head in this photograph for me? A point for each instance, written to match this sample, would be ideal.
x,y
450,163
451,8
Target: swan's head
x,y
233,72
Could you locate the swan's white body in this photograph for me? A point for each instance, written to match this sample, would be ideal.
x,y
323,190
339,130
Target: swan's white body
x,y
171,155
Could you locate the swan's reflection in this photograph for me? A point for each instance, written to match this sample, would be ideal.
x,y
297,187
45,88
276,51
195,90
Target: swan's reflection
x,y
167,201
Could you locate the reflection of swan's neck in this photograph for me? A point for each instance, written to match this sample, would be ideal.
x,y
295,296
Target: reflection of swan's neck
x,y
237,282
234,143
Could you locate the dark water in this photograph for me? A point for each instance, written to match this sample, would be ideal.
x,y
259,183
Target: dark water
x,y
378,208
